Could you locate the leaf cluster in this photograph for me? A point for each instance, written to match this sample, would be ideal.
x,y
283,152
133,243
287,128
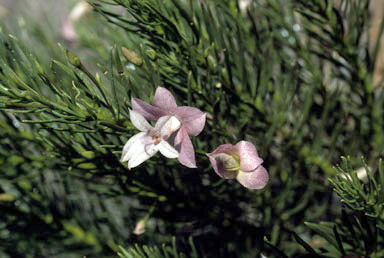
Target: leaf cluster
x,y
295,78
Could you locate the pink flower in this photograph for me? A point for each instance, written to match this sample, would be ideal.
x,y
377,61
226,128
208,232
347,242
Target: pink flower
x,y
192,121
241,162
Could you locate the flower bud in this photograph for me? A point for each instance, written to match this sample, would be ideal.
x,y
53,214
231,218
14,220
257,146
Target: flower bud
x,y
132,56
73,59
140,227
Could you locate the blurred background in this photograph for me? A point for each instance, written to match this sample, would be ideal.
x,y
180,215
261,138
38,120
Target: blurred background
x,y
12,12
56,9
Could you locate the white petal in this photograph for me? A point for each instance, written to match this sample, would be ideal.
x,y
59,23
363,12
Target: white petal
x,y
167,150
173,125
161,122
142,154
140,146
167,125
132,142
139,121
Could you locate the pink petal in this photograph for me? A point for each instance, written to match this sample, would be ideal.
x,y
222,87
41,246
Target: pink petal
x,y
224,148
193,119
218,166
148,111
164,99
186,151
256,179
249,158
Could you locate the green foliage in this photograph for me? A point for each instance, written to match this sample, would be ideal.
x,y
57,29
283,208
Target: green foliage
x,y
294,78
158,252
366,198
360,227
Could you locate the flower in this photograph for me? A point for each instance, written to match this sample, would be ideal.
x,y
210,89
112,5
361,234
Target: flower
x,y
192,121
361,173
241,162
149,141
